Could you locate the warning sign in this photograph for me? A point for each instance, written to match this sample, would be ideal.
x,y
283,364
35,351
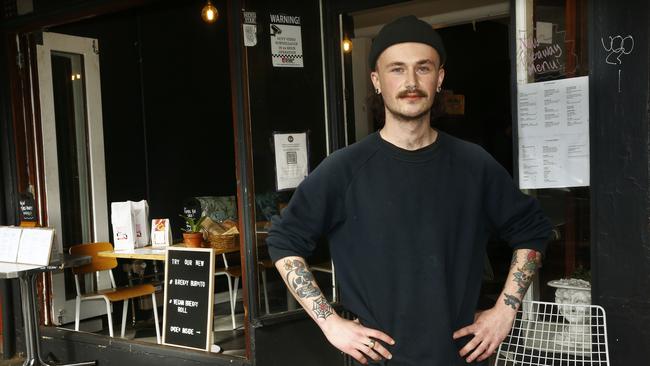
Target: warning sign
x,y
286,41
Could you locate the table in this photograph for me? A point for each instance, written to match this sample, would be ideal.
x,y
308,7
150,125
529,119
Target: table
x,y
157,253
151,253
26,275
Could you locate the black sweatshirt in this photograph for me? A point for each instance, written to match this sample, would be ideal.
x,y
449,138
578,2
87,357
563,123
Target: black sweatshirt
x,y
407,232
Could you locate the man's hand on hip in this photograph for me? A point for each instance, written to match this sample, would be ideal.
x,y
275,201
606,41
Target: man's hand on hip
x,y
348,336
356,340
490,327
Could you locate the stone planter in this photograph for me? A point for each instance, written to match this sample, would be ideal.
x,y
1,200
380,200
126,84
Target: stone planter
x,y
572,295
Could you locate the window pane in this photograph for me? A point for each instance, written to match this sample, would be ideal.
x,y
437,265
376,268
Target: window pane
x,y
551,45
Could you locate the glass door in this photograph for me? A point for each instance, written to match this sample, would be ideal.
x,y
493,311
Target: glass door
x,y
73,154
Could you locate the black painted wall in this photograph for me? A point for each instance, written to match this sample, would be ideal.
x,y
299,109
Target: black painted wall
x,y
620,185
166,104
187,101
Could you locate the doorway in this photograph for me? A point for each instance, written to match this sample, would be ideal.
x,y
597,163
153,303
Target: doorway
x,y
486,51
73,154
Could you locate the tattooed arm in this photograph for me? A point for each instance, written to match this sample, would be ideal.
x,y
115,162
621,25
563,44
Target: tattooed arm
x,y
522,270
304,288
346,335
490,327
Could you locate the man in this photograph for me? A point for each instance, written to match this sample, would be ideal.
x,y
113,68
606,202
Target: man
x,y
407,212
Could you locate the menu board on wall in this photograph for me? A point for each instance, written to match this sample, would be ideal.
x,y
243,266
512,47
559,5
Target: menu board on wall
x,y
553,118
189,286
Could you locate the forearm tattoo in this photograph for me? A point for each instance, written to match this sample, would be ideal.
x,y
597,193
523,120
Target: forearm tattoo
x,y
322,308
512,301
302,281
523,276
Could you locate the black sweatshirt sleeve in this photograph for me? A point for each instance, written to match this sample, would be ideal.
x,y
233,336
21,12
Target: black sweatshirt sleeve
x,y
314,209
516,217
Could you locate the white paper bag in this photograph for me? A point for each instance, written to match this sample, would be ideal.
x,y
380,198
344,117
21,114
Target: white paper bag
x,y
141,216
123,225
161,232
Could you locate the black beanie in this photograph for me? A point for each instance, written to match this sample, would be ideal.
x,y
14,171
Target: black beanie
x,y
405,29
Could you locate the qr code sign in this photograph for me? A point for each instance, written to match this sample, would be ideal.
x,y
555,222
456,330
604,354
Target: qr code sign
x,y
292,157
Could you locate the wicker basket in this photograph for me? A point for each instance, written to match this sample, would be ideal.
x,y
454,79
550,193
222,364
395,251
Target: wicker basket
x,y
224,241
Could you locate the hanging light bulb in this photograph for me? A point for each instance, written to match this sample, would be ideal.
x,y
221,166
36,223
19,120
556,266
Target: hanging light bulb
x,y
209,13
347,45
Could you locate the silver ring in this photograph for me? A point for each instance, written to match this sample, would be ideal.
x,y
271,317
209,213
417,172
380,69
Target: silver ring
x,y
371,344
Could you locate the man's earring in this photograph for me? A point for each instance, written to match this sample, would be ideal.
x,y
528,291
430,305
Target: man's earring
x,y
438,90
377,91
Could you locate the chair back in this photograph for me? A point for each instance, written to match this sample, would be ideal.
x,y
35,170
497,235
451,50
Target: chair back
x,y
97,263
551,334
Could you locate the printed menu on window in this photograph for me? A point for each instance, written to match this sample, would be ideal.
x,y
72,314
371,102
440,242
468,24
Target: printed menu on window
x,y
553,119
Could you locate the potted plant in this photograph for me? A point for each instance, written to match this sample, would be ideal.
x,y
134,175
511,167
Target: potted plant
x,y
193,232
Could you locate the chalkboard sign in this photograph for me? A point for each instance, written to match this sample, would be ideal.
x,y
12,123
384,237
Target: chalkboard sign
x,y
189,284
26,205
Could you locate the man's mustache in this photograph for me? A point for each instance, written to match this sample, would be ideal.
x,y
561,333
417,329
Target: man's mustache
x,y
411,93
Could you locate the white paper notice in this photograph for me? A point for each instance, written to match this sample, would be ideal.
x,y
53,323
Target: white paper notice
x,y
35,246
9,241
544,32
286,41
554,133
250,34
291,160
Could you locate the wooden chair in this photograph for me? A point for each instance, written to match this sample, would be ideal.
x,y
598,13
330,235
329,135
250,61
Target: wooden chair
x,y
113,294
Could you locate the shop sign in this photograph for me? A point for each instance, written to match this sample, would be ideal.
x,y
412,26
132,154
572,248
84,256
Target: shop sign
x,y
26,205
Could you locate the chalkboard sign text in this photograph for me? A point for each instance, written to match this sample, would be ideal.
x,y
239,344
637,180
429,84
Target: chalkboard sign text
x,y
189,284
